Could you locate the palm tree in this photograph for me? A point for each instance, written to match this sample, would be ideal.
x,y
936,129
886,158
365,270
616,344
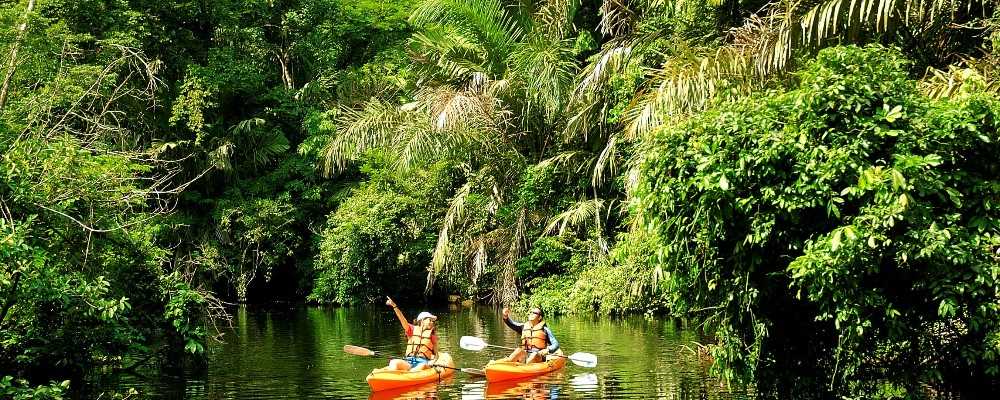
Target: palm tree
x,y
756,52
765,44
495,78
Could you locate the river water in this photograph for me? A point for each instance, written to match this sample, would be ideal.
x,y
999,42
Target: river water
x,y
297,353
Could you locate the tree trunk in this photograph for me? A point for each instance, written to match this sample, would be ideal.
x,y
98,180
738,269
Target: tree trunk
x,y
12,64
286,69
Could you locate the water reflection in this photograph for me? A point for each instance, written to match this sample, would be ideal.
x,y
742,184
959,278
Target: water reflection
x,y
428,391
296,353
474,390
584,383
529,390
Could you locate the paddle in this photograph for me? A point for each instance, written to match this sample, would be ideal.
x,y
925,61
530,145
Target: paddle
x,y
361,351
476,344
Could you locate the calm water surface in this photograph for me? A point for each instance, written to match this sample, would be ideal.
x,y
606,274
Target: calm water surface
x,y
297,354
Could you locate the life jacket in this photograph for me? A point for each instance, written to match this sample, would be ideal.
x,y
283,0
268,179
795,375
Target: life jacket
x,y
533,337
419,343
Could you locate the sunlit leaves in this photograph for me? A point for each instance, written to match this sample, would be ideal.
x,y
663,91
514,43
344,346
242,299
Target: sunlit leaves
x,y
852,193
764,47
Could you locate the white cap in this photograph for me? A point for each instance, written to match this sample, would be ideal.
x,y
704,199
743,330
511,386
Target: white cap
x,y
426,314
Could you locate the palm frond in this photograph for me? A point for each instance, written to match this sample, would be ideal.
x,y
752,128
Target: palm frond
x,y
546,70
941,84
563,159
451,109
248,126
579,215
764,46
480,258
489,22
266,146
555,18
617,17
612,59
442,251
586,115
606,165
454,55
513,240
254,143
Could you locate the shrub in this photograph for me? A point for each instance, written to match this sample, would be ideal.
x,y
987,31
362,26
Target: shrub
x,y
847,227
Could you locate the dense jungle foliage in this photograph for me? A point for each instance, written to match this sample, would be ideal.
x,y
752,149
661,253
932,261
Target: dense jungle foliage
x,y
813,184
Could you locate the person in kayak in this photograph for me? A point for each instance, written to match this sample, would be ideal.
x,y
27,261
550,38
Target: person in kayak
x,y
421,342
537,340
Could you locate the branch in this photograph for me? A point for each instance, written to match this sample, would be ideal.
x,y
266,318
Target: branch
x,y
95,230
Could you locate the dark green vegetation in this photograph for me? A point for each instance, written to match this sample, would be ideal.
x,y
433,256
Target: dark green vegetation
x,y
832,212
851,198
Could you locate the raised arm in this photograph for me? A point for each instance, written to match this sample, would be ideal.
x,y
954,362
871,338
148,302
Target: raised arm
x,y
516,326
399,314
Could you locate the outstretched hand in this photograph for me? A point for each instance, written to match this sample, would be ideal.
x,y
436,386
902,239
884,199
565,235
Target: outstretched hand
x,y
506,313
389,302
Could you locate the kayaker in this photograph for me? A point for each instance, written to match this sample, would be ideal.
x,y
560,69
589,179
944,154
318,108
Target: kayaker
x,y
421,342
537,340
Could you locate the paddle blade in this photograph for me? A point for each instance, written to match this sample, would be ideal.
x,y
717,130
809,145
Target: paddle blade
x,y
473,371
472,343
358,351
584,359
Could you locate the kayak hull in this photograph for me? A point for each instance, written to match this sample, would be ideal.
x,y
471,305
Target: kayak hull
x,y
386,379
499,371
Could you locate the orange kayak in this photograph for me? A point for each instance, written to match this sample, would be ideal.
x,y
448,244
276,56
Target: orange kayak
x,y
384,379
497,371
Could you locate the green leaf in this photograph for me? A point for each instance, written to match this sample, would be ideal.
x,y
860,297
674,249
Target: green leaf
x,y
955,196
893,114
849,232
724,183
946,308
835,240
898,181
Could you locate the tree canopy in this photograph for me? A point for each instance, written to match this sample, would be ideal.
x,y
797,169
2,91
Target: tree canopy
x,y
810,184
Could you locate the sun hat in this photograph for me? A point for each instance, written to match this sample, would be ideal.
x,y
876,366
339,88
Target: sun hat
x,y
426,314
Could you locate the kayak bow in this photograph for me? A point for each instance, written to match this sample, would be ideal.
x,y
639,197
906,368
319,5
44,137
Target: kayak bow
x,y
497,370
384,379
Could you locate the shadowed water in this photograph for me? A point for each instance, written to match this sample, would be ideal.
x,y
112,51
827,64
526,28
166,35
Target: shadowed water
x,y
297,354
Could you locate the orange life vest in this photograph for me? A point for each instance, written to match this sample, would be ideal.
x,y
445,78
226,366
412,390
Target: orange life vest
x,y
533,337
419,344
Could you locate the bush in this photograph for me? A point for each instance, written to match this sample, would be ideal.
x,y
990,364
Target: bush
x,y
15,389
847,227
548,256
584,283
379,241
